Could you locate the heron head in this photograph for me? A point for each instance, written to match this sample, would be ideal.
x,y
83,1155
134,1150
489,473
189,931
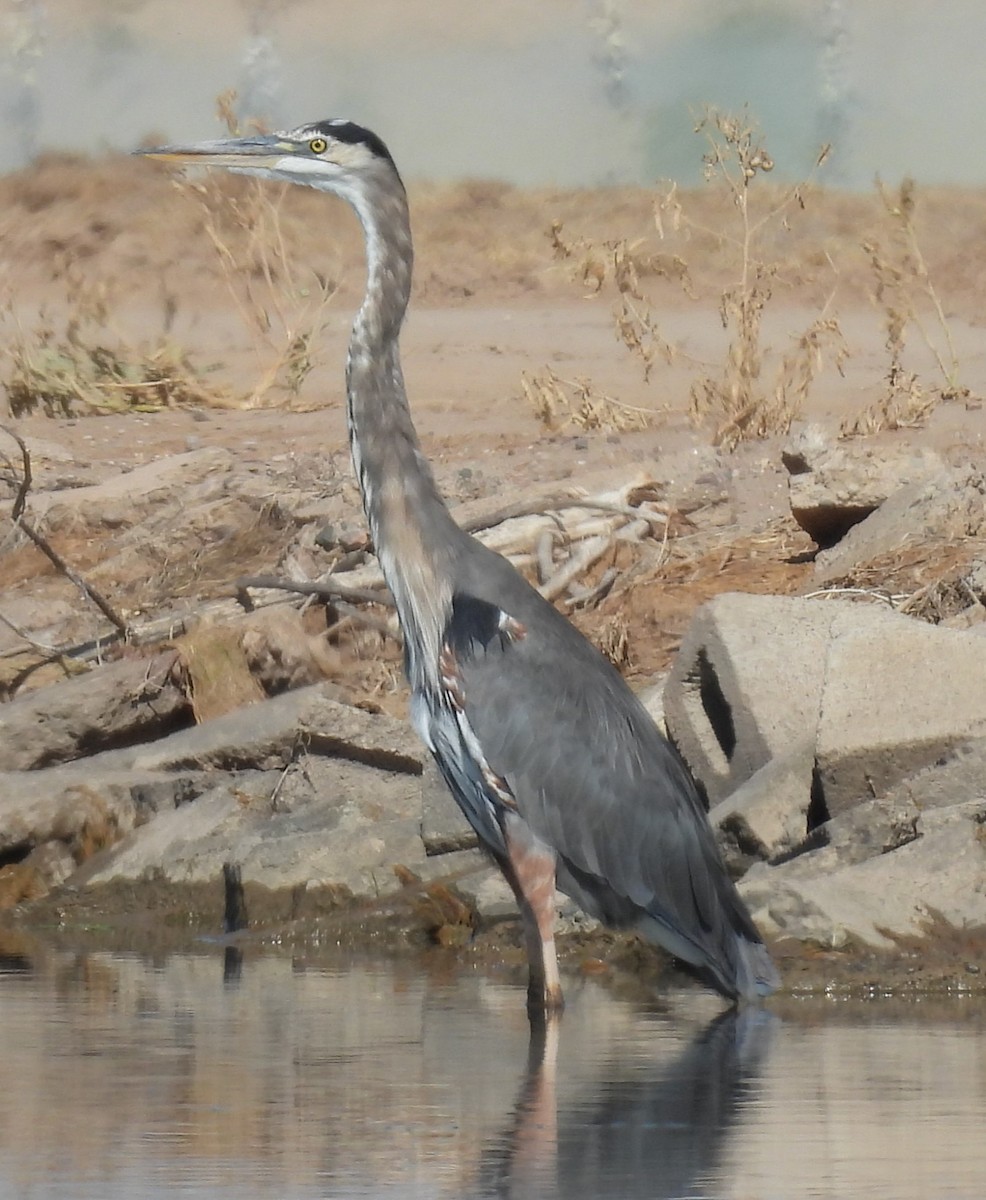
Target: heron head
x,y
335,155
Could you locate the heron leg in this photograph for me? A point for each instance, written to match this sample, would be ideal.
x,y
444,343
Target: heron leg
x,y
530,871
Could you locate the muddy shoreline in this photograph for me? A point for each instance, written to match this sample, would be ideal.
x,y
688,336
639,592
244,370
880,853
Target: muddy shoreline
x,y
156,919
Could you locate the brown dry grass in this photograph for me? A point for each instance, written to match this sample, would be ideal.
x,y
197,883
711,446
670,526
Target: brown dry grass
x,y
903,286
82,365
924,581
732,398
281,298
558,403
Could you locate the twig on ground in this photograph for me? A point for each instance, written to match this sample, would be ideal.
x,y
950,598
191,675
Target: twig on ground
x,y
42,647
535,506
589,597
46,548
330,590
869,593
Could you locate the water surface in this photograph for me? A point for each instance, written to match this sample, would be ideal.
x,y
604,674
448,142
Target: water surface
x,y
199,1075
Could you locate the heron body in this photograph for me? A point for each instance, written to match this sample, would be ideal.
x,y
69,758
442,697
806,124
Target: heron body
x,y
553,760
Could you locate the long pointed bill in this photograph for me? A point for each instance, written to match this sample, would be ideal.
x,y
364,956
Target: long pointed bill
x,y
244,152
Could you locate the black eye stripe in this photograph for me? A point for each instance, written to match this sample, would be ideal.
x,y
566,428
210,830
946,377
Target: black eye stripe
x,y
350,132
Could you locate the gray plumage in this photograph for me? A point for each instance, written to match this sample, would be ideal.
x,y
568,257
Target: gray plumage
x,y
548,752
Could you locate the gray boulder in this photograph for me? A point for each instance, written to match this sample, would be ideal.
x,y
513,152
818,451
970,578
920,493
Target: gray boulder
x,y
870,695
833,487
938,875
945,507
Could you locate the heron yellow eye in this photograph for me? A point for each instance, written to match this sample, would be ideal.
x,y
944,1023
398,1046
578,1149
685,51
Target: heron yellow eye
x,y
318,145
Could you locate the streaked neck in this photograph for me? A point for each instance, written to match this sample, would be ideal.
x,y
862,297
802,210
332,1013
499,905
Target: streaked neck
x,y
413,533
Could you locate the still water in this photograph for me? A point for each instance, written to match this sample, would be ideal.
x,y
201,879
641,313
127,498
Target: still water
x,y
201,1076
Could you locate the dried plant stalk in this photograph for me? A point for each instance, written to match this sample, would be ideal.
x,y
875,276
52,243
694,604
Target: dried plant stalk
x,y
81,364
283,304
735,399
901,281
558,403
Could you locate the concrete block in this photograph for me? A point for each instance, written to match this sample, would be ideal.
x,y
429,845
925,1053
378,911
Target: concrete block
x,y
651,696
768,815
898,695
834,486
747,684
958,779
950,505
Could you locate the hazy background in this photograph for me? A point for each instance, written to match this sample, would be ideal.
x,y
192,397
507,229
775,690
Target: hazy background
x,y
565,92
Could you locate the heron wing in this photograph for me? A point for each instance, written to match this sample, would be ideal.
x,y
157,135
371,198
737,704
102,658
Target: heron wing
x,y
590,772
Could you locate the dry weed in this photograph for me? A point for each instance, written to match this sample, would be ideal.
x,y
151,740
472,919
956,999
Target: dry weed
x,y
901,283
81,365
283,302
558,403
613,639
621,265
735,399
773,412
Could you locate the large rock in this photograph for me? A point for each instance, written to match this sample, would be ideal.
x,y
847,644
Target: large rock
x,y
116,704
294,790
54,819
123,500
327,823
899,695
833,487
893,866
869,694
948,506
62,803
747,684
940,875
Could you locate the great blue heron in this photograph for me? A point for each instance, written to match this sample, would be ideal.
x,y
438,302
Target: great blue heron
x,y
553,760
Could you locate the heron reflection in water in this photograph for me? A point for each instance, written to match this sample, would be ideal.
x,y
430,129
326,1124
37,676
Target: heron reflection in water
x,y
652,1132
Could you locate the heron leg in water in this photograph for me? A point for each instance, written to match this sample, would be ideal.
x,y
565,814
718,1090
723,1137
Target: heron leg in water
x,y
530,870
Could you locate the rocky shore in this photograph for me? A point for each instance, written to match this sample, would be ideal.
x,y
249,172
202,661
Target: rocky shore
x,y
838,735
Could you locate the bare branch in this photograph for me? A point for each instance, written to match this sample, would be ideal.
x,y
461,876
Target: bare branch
x,y
48,550
326,588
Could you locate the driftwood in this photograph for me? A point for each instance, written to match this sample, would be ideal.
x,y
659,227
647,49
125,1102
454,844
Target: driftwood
x,y
528,529
588,554
558,534
328,587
